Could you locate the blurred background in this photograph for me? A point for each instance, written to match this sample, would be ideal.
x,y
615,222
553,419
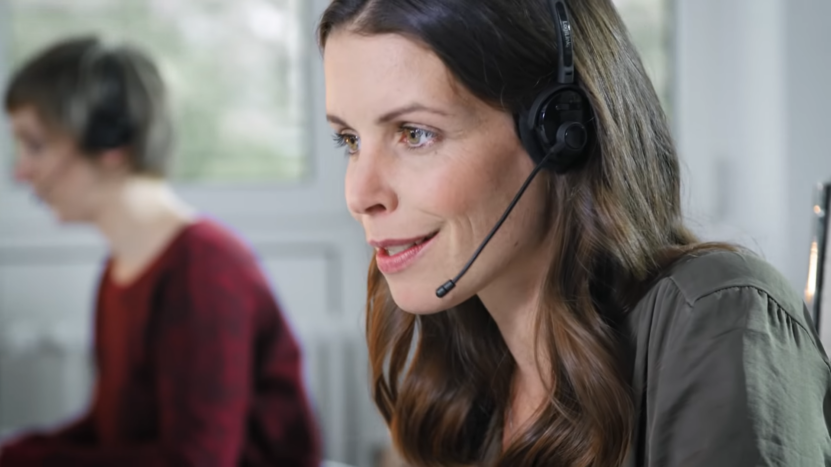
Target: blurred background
x,y
746,84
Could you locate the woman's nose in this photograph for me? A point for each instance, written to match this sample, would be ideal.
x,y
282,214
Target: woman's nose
x,y
369,185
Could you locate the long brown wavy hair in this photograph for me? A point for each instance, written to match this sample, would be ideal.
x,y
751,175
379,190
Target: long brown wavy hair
x,y
443,381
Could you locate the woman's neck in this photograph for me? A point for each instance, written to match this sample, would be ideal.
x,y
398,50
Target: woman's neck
x,y
140,218
529,384
513,300
519,331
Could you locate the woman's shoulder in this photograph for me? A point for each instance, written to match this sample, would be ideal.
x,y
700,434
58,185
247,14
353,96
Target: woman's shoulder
x,y
724,359
211,262
725,288
698,275
207,242
210,253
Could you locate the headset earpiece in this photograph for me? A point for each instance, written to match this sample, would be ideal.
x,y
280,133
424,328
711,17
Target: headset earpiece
x,y
108,125
561,116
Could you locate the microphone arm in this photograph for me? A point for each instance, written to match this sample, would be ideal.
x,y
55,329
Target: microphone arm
x,y
445,288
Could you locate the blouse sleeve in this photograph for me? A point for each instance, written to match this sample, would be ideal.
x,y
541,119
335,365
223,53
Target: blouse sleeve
x,y
740,383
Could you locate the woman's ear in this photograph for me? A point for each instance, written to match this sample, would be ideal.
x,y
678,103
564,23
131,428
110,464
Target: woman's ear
x,y
114,159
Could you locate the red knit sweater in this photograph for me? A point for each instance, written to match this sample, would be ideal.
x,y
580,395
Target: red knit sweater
x,y
196,367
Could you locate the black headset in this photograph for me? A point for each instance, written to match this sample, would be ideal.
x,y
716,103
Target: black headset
x,y
559,122
556,130
108,124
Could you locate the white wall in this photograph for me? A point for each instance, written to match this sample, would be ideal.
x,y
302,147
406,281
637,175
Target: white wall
x,y
751,117
809,116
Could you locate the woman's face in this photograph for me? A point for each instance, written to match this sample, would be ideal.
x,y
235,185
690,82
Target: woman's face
x,y
50,162
431,169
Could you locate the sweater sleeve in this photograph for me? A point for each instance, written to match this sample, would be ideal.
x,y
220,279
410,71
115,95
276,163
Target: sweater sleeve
x,y
740,383
201,348
81,431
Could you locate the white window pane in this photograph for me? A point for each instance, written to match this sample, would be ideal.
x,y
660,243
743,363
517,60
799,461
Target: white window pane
x,y
649,24
234,69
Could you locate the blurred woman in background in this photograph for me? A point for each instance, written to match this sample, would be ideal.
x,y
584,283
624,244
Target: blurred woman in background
x,y
196,365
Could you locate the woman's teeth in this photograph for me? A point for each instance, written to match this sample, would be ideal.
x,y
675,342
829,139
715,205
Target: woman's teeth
x,y
394,250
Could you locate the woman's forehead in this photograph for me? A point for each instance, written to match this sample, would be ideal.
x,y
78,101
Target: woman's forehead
x,y
27,119
377,73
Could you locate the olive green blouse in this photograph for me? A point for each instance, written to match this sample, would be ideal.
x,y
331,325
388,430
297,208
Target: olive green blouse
x,y
727,369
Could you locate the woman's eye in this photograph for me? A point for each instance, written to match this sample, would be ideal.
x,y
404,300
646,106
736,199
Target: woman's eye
x,y
29,146
351,142
417,137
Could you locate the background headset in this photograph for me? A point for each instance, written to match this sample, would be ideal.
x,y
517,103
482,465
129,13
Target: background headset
x,y
101,94
103,81
556,130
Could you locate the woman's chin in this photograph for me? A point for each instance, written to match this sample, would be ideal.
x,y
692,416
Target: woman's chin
x,y
420,300
62,217
65,217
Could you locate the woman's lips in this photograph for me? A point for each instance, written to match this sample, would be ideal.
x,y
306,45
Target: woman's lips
x,y
395,256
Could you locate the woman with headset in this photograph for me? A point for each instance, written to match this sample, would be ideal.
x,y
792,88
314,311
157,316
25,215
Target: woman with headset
x,y
196,365
594,329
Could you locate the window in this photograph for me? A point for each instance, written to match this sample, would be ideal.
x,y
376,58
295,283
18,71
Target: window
x,y
650,23
235,71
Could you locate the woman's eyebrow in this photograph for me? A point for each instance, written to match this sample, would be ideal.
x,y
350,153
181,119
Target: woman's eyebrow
x,y
414,107
393,114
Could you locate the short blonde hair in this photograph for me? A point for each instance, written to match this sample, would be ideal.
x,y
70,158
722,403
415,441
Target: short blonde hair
x,y
104,96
